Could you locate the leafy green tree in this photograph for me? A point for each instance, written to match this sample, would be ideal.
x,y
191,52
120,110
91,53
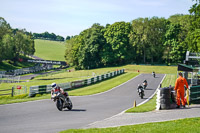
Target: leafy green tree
x,y
7,44
5,30
155,38
4,27
68,38
138,39
193,35
117,35
171,43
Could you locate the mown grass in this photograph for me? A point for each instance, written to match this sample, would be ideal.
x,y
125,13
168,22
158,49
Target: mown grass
x,y
148,106
188,125
50,50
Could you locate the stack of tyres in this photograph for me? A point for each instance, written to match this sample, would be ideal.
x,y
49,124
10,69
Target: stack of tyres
x,y
165,95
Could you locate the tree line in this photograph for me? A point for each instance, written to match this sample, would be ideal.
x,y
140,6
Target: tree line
x,y
14,42
48,36
144,40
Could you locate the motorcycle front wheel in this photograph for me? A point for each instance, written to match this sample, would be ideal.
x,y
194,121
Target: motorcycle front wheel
x,y
59,104
141,95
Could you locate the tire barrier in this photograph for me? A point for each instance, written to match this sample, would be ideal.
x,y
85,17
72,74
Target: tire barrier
x,y
163,98
41,89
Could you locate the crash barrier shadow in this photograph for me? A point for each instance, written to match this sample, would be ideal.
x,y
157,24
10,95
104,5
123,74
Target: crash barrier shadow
x,y
166,97
42,89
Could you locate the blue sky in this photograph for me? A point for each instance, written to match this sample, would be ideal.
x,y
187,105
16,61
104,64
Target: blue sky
x,y
70,17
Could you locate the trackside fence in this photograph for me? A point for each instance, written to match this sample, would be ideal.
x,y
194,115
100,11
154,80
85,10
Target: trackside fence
x,y
194,94
6,92
41,89
16,90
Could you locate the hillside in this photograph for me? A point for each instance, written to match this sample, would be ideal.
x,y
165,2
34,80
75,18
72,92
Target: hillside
x,y
50,50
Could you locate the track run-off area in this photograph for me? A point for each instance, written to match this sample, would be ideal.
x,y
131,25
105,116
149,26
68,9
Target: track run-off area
x,y
43,117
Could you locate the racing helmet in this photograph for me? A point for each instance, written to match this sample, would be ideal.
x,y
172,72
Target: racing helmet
x,y
53,85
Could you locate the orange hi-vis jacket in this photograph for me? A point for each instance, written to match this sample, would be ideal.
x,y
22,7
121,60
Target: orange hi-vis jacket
x,y
180,82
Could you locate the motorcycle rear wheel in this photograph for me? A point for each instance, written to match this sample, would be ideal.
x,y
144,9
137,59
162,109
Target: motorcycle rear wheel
x,y
69,106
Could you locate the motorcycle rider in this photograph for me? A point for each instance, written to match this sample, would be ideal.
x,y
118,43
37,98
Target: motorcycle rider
x,y
140,87
56,88
145,83
154,74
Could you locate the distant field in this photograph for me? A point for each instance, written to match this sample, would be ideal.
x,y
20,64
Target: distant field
x,y
50,50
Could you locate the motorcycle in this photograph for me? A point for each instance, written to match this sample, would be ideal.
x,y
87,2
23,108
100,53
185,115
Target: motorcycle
x,y
145,85
154,75
61,101
141,92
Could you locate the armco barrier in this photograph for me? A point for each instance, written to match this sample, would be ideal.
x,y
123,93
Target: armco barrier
x,y
194,94
76,84
47,88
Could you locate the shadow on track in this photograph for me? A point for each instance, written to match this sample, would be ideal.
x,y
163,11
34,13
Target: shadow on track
x,y
75,110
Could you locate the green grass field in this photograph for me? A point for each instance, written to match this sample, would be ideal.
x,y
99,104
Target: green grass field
x,y
50,50
188,125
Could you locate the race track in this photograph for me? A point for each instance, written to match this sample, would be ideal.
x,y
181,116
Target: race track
x,y
43,117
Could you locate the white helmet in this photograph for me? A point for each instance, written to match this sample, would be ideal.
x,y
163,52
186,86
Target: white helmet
x,y
53,85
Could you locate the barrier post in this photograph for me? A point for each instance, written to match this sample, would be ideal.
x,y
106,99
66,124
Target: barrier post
x,y
12,94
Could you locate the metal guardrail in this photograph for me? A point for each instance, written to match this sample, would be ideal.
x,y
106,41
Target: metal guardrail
x,y
9,78
75,84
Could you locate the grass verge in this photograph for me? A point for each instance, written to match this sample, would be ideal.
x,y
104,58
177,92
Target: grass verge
x,y
188,125
148,106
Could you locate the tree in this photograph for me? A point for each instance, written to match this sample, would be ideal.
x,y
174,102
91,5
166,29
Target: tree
x,y
193,35
172,44
5,30
7,44
138,39
155,38
117,35
68,38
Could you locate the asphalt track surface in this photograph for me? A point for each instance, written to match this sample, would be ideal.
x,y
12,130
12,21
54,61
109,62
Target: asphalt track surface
x,y
43,117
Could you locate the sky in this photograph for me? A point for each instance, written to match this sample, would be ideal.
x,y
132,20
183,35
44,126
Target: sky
x,y
70,17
